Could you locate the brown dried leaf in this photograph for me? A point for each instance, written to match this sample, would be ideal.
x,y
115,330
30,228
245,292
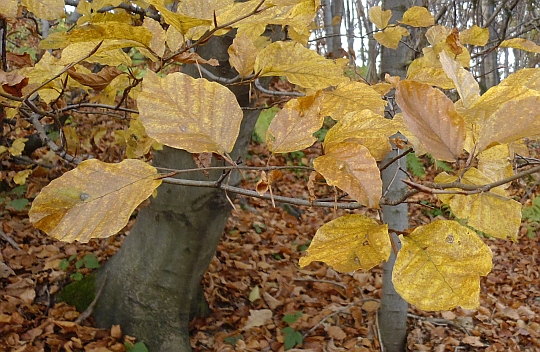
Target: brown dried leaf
x,y
97,81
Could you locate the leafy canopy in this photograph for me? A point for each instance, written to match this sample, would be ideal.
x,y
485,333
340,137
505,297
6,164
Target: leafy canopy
x,y
440,263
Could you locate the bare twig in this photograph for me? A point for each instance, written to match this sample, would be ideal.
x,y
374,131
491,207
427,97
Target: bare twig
x,y
10,240
259,86
440,321
88,311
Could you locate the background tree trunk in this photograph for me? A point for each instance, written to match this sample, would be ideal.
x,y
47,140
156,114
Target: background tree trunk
x,y
151,285
393,311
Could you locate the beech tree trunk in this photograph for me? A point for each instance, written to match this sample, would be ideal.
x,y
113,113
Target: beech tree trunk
x,y
152,285
393,311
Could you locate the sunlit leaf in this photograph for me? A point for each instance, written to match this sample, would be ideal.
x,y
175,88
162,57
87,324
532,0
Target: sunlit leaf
x,y
123,34
465,84
46,9
474,36
522,44
349,243
21,176
95,200
366,128
351,167
187,113
513,120
351,97
242,54
9,8
418,16
293,126
17,146
495,163
109,53
391,36
157,44
179,21
439,266
431,117
379,17
299,64
437,34
490,212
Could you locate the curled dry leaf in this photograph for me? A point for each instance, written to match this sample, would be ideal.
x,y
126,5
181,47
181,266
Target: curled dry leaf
x,y
97,81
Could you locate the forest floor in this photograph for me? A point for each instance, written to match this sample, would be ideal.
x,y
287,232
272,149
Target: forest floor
x,y
258,295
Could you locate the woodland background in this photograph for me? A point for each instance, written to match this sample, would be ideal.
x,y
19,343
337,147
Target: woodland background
x,y
322,309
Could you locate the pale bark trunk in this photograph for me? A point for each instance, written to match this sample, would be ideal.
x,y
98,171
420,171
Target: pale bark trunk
x,y
393,311
153,283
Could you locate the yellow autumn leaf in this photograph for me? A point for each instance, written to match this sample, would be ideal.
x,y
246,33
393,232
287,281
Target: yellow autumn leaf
x,y
515,119
293,126
42,71
466,86
242,54
187,113
379,17
109,53
522,44
157,44
351,167
174,39
46,9
366,128
122,34
419,149
299,64
437,34
474,36
21,176
349,243
432,118
179,21
391,36
204,10
496,163
490,212
95,200
418,16
9,8
137,141
350,97
439,266
17,146
526,77
72,139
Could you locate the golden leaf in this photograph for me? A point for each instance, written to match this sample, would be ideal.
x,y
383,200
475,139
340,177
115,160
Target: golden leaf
x,y
8,9
179,21
349,243
366,128
95,200
187,113
242,54
379,17
351,167
465,84
350,97
490,212
157,44
46,9
515,119
137,141
431,117
293,126
175,40
391,36
109,53
474,36
418,16
439,266
522,44
495,163
205,10
42,71
437,34
17,146
21,176
299,64
123,35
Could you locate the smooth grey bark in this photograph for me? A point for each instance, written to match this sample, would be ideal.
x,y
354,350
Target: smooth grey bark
x,y
152,284
489,65
393,311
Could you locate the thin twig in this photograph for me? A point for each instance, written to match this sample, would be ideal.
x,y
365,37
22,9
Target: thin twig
x,y
259,86
88,311
439,321
10,240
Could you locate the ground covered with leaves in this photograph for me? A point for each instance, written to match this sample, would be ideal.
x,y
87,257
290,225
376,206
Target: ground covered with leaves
x,y
260,299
